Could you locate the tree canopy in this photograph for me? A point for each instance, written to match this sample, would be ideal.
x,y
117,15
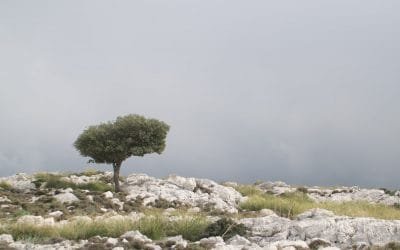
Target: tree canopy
x,y
130,135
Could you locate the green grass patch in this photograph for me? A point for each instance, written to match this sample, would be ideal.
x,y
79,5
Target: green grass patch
x,y
96,186
191,228
4,185
292,204
154,227
247,190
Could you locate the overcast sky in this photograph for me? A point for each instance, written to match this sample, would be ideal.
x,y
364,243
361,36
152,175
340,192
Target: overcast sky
x,y
307,92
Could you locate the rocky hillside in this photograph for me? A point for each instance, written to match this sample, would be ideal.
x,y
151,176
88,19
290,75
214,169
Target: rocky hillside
x,y
81,211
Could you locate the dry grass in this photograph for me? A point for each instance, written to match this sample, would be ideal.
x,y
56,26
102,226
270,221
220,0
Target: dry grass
x,y
290,205
153,226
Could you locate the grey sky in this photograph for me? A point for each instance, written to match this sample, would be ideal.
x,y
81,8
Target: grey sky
x,y
301,91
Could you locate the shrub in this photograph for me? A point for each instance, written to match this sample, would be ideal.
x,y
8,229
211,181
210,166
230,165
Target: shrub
x,y
302,190
388,192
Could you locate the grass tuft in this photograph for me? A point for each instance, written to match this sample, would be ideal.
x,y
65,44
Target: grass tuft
x,y
4,185
247,190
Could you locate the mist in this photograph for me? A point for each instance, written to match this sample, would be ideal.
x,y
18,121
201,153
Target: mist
x,y
304,92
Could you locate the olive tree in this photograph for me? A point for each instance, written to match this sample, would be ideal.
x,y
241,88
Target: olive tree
x,y
113,142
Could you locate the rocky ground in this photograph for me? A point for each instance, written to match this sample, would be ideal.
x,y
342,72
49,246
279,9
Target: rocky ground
x,y
80,211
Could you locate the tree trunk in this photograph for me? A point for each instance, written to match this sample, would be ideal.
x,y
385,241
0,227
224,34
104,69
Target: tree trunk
x,y
117,167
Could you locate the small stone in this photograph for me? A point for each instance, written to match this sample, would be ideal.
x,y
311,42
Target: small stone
x,y
90,198
6,239
108,195
112,241
266,212
210,242
120,204
118,248
4,199
136,236
68,190
104,210
238,240
152,247
177,241
56,214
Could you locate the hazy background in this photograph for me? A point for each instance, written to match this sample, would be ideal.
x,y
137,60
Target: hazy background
x,y
301,91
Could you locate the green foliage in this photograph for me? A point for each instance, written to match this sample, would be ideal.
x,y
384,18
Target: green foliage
x,y
130,135
224,227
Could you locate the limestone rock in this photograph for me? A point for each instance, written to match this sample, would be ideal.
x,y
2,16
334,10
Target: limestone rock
x,y
20,181
108,195
340,231
66,197
6,239
35,220
56,214
112,241
136,236
181,190
4,199
177,242
211,242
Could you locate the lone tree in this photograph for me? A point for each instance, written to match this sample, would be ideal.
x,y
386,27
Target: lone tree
x,y
114,142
